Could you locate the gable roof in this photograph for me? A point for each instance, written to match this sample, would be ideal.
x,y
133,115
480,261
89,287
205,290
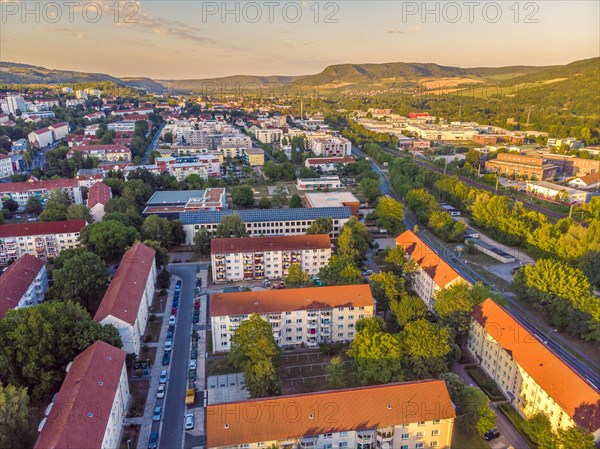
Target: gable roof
x,y
269,243
99,193
349,409
575,396
123,298
30,186
41,228
592,178
15,281
88,389
429,261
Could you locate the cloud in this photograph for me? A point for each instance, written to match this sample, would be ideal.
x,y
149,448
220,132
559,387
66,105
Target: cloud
x,y
395,32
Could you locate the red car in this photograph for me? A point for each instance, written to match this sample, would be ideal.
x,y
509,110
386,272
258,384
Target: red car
x,y
196,305
173,311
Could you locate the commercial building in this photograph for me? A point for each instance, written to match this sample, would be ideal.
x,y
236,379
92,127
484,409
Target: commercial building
x,y
22,191
509,164
327,164
299,316
434,272
325,182
393,416
39,239
248,258
573,166
98,196
6,167
558,192
330,146
170,204
23,284
333,199
529,374
266,222
90,407
125,304
254,156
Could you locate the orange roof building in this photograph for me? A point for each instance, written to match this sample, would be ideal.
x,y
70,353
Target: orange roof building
x,y
385,415
125,303
89,409
530,375
299,316
434,272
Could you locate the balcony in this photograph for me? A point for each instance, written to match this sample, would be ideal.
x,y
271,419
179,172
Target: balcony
x,y
308,442
325,321
365,437
385,435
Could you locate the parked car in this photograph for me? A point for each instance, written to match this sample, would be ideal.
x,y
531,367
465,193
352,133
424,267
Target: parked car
x,y
160,393
168,345
198,282
156,414
163,377
194,336
170,335
153,441
194,354
174,311
175,303
196,318
189,421
171,327
193,364
166,358
197,305
492,434
172,320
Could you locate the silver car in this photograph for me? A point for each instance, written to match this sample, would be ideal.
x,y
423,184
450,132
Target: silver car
x,y
189,421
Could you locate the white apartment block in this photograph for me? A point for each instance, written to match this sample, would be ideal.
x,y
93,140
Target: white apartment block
x,y
41,138
14,102
298,316
236,140
330,146
40,239
528,373
21,191
126,303
410,415
269,136
23,284
107,153
59,130
91,406
6,167
433,273
248,258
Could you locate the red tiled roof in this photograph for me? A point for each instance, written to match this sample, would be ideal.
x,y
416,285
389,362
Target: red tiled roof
x,y
274,243
429,261
109,148
41,131
79,417
15,281
575,396
287,300
4,156
329,160
590,179
99,193
123,298
41,228
58,125
29,186
296,416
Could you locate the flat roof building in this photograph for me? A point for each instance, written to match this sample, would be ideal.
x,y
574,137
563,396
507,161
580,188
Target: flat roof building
x,y
171,203
333,199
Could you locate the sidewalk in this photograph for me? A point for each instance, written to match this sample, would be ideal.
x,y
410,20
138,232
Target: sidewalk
x,y
146,420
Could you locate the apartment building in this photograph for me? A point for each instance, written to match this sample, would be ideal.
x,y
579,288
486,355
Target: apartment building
x,y
41,138
90,407
14,103
267,221
327,164
125,304
59,130
528,373
434,272
405,415
108,153
330,146
254,156
203,165
333,199
169,204
269,136
22,191
324,182
299,316
249,258
40,239
87,177
236,140
23,284
6,167
98,196
509,164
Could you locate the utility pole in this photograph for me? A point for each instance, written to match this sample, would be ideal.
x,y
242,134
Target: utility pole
x,y
571,211
497,182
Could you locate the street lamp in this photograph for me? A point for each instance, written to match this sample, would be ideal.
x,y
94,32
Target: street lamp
x,y
548,335
128,441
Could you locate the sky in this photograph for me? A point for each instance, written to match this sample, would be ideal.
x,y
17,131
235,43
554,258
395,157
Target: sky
x,y
203,39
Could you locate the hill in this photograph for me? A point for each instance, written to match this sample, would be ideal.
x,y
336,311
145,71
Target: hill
x,y
15,73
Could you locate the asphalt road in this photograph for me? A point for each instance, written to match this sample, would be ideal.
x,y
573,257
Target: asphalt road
x,y
153,144
591,375
171,434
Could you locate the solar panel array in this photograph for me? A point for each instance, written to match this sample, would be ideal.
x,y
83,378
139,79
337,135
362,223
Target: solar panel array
x,y
263,215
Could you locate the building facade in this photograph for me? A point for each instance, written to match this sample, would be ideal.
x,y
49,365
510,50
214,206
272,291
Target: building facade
x,y
40,138
261,258
6,167
23,284
560,193
327,164
98,196
269,136
254,156
325,182
125,304
43,240
529,374
22,191
509,164
90,407
300,317
330,146
108,153
393,416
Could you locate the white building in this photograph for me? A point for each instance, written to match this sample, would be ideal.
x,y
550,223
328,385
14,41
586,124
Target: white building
x,y
324,182
22,191
14,103
59,130
40,239
6,167
87,177
90,407
327,164
41,138
299,316
330,146
433,273
529,374
129,295
271,135
406,415
248,258
588,182
557,192
23,284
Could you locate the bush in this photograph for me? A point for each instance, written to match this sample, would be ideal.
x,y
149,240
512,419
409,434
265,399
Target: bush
x,y
163,280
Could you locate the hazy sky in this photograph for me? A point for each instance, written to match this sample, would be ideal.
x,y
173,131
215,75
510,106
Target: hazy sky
x,y
199,39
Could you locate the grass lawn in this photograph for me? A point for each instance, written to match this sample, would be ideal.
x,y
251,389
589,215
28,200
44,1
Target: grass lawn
x,y
155,307
488,386
147,353
461,440
139,392
219,366
153,330
517,421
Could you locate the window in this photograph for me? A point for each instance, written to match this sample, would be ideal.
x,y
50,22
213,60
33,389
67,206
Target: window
x,y
343,444
405,436
327,446
343,434
434,444
421,423
419,446
435,433
328,435
436,421
404,446
420,434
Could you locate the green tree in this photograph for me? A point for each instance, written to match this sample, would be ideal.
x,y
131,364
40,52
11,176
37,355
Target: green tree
x,y
475,413
202,242
79,212
262,379
231,226
370,188
33,206
453,305
295,201
242,197
539,430
426,346
354,240
387,287
158,229
264,203
320,226
137,192
408,308
336,373
162,255
390,215
576,438
341,270
297,277
10,205
15,431
168,137
280,197
108,239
